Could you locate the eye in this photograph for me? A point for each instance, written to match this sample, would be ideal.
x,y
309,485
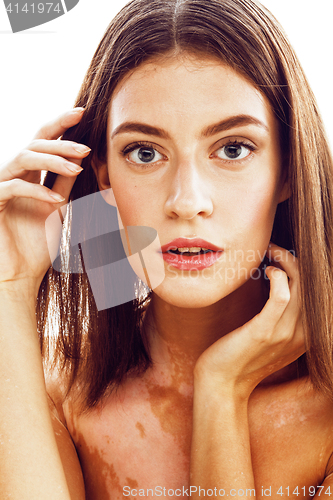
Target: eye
x,y
142,154
234,151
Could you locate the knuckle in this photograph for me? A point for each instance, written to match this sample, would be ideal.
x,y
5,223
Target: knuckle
x,y
21,156
262,334
274,339
44,132
36,143
285,336
15,185
282,298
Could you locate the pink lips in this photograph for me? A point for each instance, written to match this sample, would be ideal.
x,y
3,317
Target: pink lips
x,y
188,262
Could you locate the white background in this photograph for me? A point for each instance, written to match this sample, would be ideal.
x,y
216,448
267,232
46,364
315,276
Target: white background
x,y
42,68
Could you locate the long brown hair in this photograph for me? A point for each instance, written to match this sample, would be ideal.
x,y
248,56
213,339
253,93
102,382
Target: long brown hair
x,y
98,348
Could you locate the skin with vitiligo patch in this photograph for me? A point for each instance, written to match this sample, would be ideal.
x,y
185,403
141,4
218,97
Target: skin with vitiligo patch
x,y
171,405
287,419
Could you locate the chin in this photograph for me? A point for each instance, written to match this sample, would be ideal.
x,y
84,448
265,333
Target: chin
x,y
192,295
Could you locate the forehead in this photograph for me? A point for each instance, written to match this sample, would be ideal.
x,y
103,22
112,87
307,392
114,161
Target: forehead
x,y
186,89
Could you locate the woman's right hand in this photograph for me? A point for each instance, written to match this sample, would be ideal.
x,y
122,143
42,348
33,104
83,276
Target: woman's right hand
x,y
270,341
25,204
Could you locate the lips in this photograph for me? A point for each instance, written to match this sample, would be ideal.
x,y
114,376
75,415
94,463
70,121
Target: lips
x,y
205,257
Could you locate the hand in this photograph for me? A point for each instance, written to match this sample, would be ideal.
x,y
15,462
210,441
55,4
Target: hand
x,y
268,342
25,204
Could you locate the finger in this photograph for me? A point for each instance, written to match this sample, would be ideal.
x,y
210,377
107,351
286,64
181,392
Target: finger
x,y
286,259
266,321
31,161
23,189
55,128
68,149
289,264
281,314
63,185
279,295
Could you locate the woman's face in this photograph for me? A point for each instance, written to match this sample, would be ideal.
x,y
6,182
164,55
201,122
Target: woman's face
x,y
193,152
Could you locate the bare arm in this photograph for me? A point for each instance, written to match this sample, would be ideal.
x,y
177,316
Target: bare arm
x,y
32,457
221,453
30,463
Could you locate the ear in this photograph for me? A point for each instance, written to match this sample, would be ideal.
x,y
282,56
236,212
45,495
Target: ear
x,y
102,175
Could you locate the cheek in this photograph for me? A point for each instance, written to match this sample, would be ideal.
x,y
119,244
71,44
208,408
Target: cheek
x,y
260,209
134,204
249,213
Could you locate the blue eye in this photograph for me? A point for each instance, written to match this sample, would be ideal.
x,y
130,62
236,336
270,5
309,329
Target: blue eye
x,y
234,151
144,154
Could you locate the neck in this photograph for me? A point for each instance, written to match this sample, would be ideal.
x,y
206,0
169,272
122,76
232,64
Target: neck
x,y
178,336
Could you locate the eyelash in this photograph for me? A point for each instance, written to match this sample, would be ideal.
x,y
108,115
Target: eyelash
x,y
142,144
233,142
137,145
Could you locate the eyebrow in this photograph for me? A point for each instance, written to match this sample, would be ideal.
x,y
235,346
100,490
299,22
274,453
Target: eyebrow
x,y
226,124
233,122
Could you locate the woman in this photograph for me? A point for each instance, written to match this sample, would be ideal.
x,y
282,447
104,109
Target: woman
x,y
200,119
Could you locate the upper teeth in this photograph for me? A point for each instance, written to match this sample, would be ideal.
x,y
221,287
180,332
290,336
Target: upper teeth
x,y
191,249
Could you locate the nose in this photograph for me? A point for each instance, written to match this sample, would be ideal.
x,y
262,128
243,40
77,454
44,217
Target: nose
x,y
189,194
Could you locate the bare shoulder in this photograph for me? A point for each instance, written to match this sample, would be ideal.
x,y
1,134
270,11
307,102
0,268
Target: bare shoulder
x,y
56,390
291,428
300,403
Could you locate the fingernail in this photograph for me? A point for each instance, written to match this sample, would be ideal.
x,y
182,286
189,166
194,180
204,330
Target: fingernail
x,y
74,168
57,196
81,149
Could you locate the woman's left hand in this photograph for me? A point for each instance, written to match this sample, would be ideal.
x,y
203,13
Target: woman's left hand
x,y
268,342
